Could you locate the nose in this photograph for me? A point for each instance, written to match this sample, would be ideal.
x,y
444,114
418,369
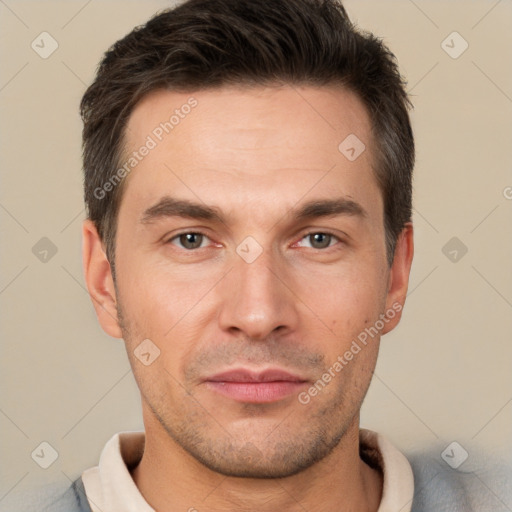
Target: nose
x,y
257,298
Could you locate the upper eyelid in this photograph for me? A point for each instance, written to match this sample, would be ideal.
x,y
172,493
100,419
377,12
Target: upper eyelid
x,y
168,238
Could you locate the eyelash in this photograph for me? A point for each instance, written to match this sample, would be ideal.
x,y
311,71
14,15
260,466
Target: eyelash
x,y
305,235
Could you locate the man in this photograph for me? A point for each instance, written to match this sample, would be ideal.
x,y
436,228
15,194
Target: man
x,y
248,169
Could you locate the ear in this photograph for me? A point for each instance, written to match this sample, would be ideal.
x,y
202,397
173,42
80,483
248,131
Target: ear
x,y
399,277
99,281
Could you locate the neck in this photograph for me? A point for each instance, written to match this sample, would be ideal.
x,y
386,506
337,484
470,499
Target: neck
x,y
171,479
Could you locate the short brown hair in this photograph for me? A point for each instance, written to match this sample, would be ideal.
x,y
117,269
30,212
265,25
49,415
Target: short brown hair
x,y
204,44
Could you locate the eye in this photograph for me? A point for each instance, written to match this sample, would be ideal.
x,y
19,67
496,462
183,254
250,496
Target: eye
x,y
189,241
320,240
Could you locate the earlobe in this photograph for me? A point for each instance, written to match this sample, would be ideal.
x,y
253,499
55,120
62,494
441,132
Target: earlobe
x,y
99,281
399,277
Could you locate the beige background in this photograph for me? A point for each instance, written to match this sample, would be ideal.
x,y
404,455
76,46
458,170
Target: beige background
x,y
444,375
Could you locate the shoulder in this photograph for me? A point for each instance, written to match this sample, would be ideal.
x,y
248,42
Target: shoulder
x,y
73,499
437,487
50,497
479,485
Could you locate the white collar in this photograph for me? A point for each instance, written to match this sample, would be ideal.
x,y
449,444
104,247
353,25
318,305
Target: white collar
x,y
110,487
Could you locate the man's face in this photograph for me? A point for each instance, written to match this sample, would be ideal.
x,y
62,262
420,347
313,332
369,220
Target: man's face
x,y
261,302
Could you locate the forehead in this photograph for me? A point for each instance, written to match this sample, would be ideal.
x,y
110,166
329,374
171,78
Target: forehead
x,y
250,146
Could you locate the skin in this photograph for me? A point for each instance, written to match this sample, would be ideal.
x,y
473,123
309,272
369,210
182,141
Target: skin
x,y
256,155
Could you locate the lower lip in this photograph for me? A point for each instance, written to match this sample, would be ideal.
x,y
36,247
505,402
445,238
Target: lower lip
x,y
256,392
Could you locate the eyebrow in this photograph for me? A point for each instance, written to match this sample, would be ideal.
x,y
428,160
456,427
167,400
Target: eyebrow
x,y
172,207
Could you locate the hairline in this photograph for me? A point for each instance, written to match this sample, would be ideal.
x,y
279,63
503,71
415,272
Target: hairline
x,y
376,153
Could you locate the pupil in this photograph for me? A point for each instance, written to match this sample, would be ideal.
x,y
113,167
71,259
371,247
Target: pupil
x,y
191,240
321,240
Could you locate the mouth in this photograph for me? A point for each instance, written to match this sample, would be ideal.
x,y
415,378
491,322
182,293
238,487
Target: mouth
x,y
247,386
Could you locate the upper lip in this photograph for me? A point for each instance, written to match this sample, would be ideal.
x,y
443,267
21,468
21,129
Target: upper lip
x,y
246,375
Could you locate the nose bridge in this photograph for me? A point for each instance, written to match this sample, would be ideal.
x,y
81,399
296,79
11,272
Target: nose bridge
x,y
257,300
259,276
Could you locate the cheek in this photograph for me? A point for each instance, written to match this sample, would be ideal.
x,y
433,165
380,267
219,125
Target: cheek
x,y
350,301
345,299
151,291
166,305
